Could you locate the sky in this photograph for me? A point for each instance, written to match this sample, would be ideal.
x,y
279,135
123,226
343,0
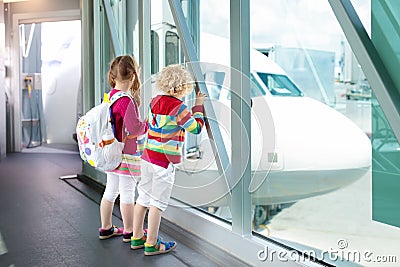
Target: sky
x,y
308,24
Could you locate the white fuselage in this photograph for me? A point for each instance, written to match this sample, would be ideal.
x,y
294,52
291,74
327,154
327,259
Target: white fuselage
x,y
300,147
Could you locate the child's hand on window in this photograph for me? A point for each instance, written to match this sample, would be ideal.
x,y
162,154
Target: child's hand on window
x,y
200,97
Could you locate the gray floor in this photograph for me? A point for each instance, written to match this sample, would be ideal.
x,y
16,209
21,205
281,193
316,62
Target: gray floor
x,y
45,221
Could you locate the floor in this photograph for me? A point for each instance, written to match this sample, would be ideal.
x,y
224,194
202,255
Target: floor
x,y
48,221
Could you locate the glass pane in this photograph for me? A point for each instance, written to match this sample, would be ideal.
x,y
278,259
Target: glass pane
x,y
316,196
311,185
255,88
198,182
61,74
386,179
363,9
165,44
386,150
171,48
154,52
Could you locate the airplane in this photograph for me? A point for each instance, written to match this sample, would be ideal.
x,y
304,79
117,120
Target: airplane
x,y
300,147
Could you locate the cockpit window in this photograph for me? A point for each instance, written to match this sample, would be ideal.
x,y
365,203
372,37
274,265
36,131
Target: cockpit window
x,y
215,81
279,84
255,88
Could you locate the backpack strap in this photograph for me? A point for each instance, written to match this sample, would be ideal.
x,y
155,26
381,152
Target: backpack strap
x,y
112,122
117,96
111,101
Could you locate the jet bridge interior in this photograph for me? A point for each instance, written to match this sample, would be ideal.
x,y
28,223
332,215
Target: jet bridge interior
x,y
249,163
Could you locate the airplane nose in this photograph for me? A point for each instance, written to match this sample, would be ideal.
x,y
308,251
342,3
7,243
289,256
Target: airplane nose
x,y
317,150
315,136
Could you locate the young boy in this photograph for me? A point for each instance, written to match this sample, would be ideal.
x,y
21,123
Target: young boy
x,y
169,118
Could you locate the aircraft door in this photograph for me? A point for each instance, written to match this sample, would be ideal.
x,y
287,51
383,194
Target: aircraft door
x,y
49,81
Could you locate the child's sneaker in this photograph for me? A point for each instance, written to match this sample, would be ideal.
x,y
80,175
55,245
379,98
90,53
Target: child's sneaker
x,y
126,237
138,242
113,231
150,249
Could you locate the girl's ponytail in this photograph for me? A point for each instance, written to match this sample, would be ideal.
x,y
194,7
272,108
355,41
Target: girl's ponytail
x,y
125,68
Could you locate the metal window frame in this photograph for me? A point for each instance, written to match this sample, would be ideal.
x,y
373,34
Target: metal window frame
x,y
87,56
240,115
220,234
3,132
131,22
98,53
106,46
144,22
112,27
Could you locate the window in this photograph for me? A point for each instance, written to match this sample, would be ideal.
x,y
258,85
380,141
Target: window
x,y
154,52
279,84
255,88
171,48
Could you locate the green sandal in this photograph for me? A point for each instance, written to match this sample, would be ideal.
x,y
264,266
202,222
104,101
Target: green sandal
x,y
137,243
150,249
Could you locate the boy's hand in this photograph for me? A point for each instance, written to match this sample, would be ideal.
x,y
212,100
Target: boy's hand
x,y
200,97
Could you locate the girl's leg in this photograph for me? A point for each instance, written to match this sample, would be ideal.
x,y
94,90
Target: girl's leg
x,y
127,217
127,185
107,202
106,208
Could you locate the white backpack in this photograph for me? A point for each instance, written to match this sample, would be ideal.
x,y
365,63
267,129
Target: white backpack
x,y
105,155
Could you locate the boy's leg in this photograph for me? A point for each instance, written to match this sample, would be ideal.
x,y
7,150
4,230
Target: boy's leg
x,y
143,200
138,220
154,245
107,202
153,226
163,182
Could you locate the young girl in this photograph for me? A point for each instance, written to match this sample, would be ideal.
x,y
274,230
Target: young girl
x,y
123,77
168,119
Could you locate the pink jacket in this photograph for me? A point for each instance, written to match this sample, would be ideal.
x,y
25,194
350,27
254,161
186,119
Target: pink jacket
x,y
127,123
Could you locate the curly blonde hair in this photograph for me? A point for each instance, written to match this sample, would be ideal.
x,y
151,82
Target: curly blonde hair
x,y
175,80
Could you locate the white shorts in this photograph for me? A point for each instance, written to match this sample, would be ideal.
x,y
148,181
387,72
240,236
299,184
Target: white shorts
x,y
155,186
